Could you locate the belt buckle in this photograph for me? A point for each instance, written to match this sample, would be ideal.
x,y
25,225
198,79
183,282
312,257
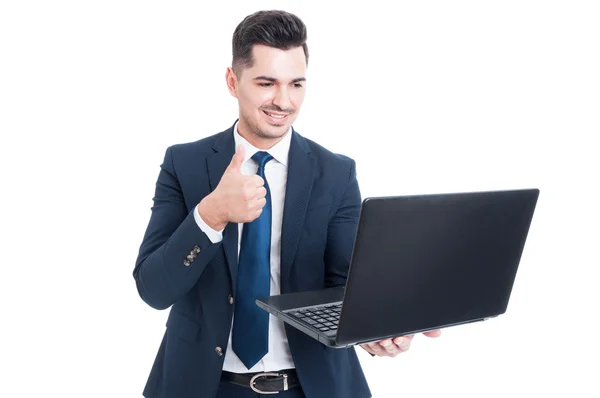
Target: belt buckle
x,y
256,376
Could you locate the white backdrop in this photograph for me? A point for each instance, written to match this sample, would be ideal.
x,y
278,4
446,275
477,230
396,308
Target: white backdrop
x,y
429,96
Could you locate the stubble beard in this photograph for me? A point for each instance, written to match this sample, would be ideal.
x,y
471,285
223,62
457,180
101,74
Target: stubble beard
x,y
255,130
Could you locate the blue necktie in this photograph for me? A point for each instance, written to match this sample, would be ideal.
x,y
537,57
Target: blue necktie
x,y
250,339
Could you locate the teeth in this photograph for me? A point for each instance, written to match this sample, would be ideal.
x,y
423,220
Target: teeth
x,y
276,116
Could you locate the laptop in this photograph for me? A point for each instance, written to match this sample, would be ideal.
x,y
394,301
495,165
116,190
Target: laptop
x,y
419,263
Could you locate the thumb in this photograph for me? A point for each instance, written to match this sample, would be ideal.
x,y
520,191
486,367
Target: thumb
x,y
237,159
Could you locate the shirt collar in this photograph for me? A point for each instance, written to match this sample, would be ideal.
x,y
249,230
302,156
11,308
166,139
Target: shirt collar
x,y
279,151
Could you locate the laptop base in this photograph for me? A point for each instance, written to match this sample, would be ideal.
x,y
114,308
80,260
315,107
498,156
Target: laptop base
x,y
283,305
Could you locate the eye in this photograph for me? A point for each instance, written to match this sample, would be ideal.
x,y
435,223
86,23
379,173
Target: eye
x,y
298,85
265,84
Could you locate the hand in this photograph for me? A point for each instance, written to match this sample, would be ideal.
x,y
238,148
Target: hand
x,y
395,346
237,198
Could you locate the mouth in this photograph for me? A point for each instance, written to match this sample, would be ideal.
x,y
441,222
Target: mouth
x,y
275,117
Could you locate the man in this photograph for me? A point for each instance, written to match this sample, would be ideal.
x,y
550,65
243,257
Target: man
x,y
254,210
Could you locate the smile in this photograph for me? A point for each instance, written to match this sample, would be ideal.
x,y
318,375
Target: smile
x,y
275,115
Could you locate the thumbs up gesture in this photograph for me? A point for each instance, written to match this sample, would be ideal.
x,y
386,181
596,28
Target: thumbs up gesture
x,y
237,198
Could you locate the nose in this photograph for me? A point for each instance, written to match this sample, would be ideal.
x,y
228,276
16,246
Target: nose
x,y
282,99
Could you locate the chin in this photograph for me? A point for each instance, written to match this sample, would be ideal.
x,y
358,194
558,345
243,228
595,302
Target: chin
x,y
275,130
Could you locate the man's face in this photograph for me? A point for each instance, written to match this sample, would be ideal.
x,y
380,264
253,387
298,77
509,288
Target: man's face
x,y
270,93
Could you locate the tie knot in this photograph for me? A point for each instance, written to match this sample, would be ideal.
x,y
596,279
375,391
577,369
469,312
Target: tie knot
x,y
262,158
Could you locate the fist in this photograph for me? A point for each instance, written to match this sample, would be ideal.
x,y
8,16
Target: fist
x,y
237,198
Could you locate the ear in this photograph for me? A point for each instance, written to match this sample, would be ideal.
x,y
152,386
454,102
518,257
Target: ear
x,y
232,81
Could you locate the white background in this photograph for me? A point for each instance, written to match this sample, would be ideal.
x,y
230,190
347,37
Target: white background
x,y
427,96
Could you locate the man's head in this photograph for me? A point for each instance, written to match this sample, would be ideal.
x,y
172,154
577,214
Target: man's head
x,y
267,76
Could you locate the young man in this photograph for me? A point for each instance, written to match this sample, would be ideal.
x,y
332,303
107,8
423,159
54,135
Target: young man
x,y
254,210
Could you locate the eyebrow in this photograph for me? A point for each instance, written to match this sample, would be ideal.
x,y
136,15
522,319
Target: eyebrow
x,y
273,80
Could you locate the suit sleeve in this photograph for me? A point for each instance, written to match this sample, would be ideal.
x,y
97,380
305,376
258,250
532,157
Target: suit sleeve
x,y
341,233
174,251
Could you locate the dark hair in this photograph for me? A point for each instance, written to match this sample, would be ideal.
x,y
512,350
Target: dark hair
x,y
278,29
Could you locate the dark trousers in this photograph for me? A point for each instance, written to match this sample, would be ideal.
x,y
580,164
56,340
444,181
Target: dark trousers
x,y
230,390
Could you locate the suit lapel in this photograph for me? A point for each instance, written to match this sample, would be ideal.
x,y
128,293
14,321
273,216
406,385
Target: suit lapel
x,y
301,171
224,147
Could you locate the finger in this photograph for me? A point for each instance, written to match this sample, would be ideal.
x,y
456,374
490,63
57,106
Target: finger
x,y
408,337
433,333
260,203
253,215
377,349
237,159
389,346
257,181
261,193
403,343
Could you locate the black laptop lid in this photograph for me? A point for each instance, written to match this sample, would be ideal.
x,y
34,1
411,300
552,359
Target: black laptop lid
x,y
429,261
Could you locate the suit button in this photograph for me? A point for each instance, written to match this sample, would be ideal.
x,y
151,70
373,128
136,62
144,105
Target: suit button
x,y
230,299
191,257
219,351
196,250
186,263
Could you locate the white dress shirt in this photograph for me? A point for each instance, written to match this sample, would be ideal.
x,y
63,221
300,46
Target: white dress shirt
x,y
279,356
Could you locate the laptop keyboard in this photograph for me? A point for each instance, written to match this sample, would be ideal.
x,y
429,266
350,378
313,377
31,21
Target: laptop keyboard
x,y
323,317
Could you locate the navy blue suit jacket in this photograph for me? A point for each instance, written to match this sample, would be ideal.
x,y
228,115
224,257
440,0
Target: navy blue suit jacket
x,y
320,218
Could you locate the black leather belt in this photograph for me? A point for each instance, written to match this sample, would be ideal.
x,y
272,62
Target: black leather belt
x,y
264,383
